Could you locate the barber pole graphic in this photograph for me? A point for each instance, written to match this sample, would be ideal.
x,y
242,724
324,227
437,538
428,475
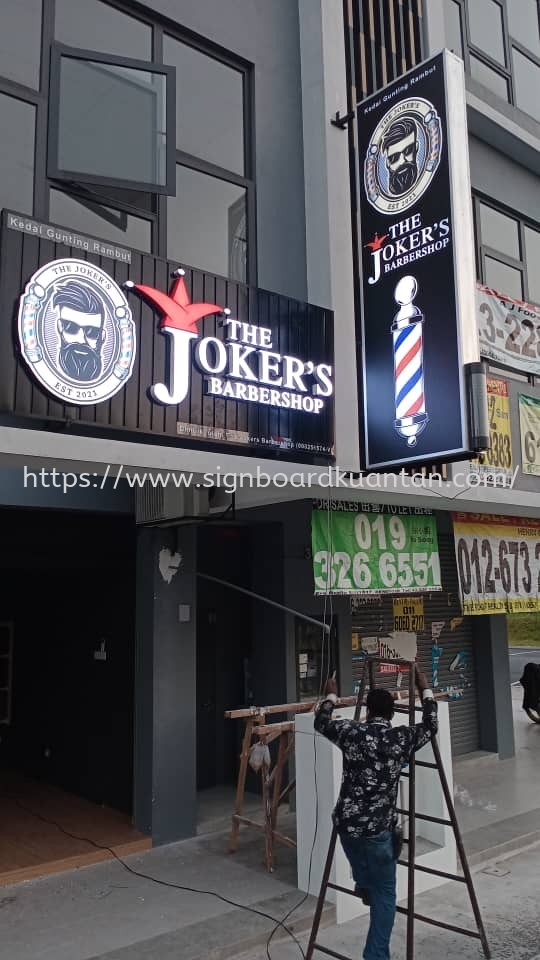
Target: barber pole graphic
x,y
407,341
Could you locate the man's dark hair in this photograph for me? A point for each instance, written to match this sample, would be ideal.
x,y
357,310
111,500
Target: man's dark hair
x,y
380,703
398,131
77,296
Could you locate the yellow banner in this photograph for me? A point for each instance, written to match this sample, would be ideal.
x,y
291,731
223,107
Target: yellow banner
x,y
529,428
496,464
498,563
408,614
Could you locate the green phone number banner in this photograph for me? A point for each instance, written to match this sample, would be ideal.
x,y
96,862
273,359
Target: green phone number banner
x,y
371,553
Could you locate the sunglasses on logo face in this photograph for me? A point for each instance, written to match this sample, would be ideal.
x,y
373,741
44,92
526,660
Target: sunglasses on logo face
x,y
72,329
407,154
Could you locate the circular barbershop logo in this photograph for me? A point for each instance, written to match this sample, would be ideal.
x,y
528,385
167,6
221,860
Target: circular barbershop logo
x,y
76,332
403,155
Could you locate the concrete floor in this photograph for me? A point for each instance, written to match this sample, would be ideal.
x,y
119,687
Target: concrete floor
x,y
215,807
106,913
508,897
497,800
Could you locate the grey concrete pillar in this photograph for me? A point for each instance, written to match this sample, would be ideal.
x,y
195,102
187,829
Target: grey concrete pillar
x,y
329,242
434,27
494,691
165,684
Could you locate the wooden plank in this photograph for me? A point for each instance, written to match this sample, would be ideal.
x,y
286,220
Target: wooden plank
x,y
241,784
45,869
31,846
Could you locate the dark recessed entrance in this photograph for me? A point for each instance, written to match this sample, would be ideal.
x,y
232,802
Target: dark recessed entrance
x,y
67,604
224,631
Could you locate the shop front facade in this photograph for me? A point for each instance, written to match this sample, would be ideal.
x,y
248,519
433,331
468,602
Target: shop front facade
x,y
180,293
156,318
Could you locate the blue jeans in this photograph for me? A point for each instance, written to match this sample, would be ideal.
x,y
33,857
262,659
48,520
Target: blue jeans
x,y
374,869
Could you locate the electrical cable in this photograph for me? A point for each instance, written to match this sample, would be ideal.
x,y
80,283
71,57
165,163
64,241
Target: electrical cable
x,y
146,876
326,635
279,923
306,895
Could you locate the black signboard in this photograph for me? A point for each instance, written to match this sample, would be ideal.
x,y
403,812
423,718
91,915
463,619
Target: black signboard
x,y
417,262
116,345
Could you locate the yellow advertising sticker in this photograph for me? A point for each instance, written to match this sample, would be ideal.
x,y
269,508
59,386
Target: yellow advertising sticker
x,y
408,614
496,465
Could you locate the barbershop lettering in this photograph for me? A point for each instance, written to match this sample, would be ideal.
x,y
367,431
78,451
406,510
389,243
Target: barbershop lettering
x,y
244,366
405,242
247,357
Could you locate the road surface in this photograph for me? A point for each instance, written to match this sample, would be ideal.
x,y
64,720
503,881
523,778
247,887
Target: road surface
x,y
518,657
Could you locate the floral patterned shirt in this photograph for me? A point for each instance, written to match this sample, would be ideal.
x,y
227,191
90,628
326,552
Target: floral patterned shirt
x,y
374,754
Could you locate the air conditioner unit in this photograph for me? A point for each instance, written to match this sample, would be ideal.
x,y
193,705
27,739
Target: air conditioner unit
x,y
168,505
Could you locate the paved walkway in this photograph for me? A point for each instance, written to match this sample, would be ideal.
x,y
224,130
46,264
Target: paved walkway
x,y
509,898
105,913
498,801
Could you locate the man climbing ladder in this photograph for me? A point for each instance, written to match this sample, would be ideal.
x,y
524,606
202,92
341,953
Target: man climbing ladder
x,y
365,816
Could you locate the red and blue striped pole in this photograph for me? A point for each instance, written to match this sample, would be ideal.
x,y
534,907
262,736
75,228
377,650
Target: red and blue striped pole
x,y
407,340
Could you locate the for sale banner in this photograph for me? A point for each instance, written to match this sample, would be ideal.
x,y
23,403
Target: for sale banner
x,y
496,465
509,330
529,428
498,563
374,553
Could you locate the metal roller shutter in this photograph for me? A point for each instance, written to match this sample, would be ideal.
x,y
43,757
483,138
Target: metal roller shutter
x,y
375,617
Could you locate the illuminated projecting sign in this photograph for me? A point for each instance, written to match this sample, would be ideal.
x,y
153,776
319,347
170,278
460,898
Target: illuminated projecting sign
x,y
417,267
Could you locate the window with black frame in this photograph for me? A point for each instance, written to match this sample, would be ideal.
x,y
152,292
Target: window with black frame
x,y
126,131
113,121
508,251
499,41
20,100
214,166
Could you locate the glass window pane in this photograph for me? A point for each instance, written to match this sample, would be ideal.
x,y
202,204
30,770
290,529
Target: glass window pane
x,y
523,24
209,89
532,255
489,78
206,224
504,279
17,154
499,231
93,25
111,122
129,231
452,21
486,28
526,84
20,41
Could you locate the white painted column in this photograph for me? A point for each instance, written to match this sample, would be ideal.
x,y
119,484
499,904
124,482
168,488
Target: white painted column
x,y
328,203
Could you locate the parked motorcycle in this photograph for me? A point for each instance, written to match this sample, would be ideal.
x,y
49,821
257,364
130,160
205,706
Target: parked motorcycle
x,y
530,681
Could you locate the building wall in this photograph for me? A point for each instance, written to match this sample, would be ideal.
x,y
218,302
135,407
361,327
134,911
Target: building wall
x,y
266,34
499,177
291,583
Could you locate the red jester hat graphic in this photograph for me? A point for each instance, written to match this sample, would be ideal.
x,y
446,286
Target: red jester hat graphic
x,y
179,321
